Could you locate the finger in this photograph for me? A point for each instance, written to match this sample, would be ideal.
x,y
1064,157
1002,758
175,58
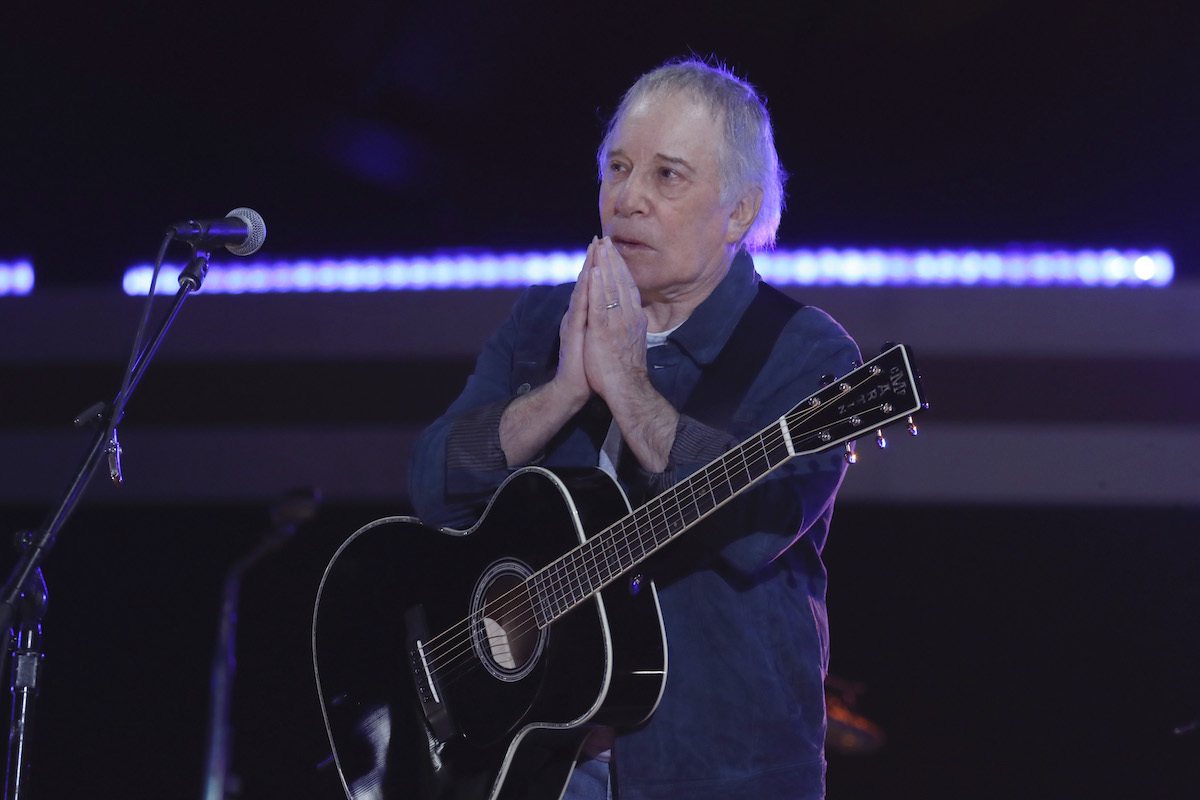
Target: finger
x,y
619,285
628,284
578,305
589,264
603,293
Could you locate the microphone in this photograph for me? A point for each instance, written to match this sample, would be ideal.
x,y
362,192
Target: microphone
x,y
242,231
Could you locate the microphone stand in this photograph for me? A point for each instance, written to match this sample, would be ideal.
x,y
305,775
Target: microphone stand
x,y
26,648
24,595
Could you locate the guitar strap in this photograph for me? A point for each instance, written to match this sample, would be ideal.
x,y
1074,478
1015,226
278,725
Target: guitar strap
x,y
724,383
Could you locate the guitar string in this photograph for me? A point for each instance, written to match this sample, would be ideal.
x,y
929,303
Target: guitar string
x,y
772,436
520,600
602,542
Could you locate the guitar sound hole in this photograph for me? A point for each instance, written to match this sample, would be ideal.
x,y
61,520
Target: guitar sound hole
x,y
505,634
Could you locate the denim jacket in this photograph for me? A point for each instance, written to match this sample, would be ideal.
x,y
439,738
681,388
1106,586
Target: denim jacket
x,y
742,594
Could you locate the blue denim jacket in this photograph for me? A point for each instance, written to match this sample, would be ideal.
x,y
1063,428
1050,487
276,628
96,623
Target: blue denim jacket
x,y
743,712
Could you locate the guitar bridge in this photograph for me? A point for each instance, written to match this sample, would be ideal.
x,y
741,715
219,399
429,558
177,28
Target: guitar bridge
x,y
432,705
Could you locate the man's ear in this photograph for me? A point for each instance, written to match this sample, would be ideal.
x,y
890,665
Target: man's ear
x,y
743,215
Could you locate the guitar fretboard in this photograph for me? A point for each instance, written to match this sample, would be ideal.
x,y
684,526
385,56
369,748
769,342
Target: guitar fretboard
x,y
587,569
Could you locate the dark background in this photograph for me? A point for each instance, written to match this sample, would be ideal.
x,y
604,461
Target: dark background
x,y
382,127
1006,651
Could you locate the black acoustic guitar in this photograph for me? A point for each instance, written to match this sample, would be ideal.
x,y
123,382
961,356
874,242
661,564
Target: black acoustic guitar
x,y
470,665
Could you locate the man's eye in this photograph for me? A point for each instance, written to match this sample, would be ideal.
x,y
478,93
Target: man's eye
x,y
667,172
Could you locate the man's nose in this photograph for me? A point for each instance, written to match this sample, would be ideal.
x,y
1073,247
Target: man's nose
x,y
633,196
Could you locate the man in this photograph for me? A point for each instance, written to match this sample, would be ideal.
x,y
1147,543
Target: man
x,y
603,373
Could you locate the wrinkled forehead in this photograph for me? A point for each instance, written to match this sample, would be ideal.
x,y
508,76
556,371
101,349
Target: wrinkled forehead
x,y
676,113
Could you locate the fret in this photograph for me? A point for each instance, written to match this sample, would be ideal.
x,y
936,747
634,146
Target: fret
x,y
624,545
744,471
714,483
647,539
587,571
591,570
599,562
701,493
701,498
681,520
656,527
610,556
781,455
728,470
682,511
574,579
662,516
557,586
652,520
766,457
548,583
538,600
632,536
628,556
695,504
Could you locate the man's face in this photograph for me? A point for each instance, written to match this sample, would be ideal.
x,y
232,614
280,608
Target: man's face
x,y
660,198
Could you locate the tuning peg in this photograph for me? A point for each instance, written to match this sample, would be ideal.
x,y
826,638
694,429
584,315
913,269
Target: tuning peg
x,y
887,346
850,456
912,426
827,379
879,440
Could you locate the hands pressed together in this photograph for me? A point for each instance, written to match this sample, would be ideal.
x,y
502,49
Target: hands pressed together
x,y
602,351
603,334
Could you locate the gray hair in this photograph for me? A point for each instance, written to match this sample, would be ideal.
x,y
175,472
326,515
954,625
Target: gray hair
x,y
747,155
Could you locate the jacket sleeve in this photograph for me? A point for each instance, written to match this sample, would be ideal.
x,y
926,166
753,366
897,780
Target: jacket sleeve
x,y
457,462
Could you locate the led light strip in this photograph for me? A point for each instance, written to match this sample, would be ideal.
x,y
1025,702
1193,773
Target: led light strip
x,y
16,277
782,267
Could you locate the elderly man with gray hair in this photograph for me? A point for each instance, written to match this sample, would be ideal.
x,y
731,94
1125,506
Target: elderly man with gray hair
x,y
665,353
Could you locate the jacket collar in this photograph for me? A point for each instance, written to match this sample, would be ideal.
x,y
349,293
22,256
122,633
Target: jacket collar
x,y
705,332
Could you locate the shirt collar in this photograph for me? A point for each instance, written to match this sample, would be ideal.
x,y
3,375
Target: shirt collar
x,y
705,332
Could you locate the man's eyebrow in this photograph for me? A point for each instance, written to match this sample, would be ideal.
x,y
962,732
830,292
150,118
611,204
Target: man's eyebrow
x,y
682,162
677,160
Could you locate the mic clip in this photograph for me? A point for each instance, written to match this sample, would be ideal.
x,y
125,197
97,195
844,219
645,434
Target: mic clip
x,y
192,276
114,459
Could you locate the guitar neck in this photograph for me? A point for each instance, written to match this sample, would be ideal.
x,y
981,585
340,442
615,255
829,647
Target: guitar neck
x,y
880,392
600,560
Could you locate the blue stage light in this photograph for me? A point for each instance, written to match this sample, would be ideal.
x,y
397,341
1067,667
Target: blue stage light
x,y
16,278
871,267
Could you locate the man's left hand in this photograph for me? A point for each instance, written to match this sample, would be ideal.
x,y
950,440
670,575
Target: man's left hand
x,y
614,358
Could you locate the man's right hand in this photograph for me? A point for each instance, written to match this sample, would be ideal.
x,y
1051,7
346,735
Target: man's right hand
x,y
532,420
571,376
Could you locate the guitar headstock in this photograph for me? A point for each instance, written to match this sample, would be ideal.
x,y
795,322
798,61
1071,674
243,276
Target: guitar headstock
x,y
881,392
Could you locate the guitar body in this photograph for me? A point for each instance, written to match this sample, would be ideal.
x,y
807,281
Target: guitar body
x,y
435,681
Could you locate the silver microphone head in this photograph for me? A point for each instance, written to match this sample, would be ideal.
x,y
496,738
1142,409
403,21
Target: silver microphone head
x,y
257,231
